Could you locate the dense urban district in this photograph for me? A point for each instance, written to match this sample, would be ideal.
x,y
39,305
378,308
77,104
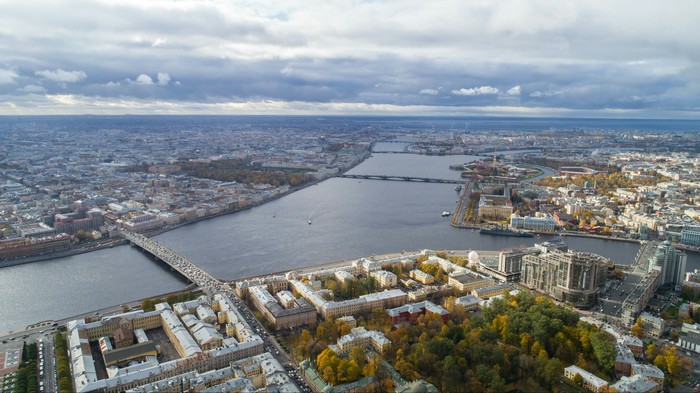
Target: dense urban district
x,y
523,319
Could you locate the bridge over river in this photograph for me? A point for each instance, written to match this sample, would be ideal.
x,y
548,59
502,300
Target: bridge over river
x,y
177,262
403,178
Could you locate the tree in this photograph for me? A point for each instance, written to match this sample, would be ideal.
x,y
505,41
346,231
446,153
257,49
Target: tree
x,y
80,235
604,350
677,369
329,375
353,371
342,371
357,354
638,328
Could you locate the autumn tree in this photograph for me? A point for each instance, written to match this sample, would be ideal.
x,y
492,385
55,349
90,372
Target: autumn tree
x,y
638,328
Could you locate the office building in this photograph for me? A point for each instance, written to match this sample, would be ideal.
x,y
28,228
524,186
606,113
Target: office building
x,y
572,277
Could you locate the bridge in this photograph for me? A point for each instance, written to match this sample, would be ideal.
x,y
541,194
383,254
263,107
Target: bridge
x,y
403,178
177,262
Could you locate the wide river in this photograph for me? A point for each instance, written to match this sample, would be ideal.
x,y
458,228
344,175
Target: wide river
x,y
349,218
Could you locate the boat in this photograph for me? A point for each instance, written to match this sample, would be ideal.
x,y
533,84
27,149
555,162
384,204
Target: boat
x,y
458,188
502,231
309,221
445,213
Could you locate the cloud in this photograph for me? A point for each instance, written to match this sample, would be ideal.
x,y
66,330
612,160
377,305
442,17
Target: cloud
x,y
158,41
476,91
32,89
7,76
144,79
513,91
163,78
548,93
62,76
539,53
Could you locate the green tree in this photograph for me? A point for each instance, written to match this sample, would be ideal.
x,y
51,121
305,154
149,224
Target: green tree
x,y
604,350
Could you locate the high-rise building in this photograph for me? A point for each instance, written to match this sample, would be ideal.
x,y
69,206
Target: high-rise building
x,y
672,263
573,277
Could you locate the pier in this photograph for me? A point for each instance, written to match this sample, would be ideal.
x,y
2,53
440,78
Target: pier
x,y
402,178
177,262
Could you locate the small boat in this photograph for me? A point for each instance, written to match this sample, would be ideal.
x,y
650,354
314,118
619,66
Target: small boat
x,y
458,188
445,213
309,221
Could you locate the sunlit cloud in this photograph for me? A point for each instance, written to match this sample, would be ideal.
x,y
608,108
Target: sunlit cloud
x,y
476,91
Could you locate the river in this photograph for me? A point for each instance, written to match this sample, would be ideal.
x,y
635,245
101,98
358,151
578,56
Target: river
x,y
349,218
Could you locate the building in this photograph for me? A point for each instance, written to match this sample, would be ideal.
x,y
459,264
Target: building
x,y
639,296
286,299
344,276
410,312
690,236
624,360
349,320
649,371
634,343
469,302
35,229
365,303
367,265
652,326
572,277
690,342
133,366
590,381
540,223
361,337
495,207
384,278
491,291
297,312
672,264
27,246
466,282
82,220
274,284
122,356
636,384
510,262
422,277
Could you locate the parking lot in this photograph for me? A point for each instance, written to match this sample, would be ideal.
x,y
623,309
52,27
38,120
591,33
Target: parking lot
x,y
615,293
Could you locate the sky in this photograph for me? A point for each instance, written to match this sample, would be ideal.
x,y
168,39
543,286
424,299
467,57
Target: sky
x,y
595,58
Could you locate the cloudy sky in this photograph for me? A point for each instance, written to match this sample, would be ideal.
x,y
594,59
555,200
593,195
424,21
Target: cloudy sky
x,y
607,58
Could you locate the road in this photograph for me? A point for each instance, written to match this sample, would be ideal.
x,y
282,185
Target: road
x,y
271,343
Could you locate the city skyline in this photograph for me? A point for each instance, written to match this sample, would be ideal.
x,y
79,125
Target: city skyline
x,y
534,58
